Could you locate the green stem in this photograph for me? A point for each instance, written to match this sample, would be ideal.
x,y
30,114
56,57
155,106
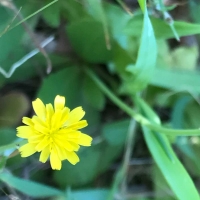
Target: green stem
x,y
120,177
25,19
138,117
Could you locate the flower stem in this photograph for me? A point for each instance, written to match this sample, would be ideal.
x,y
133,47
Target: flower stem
x,y
137,116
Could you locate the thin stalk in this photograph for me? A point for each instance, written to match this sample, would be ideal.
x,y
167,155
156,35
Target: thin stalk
x,y
121,175
137,116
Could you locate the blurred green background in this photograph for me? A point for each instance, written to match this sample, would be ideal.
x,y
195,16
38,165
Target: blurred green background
x,y
114,39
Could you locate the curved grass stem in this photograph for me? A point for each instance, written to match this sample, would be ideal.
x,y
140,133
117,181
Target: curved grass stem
x,y
137,116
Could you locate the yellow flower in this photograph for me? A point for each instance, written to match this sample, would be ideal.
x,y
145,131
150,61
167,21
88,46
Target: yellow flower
x,y
54,132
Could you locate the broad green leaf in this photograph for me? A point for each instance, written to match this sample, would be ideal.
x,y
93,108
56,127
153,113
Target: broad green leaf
x,y
7,136
3,160
192,113
152,116
174,172
146,60
178,111
93,194
65,82
73,10
89,43
93,94
52,14
185,114
11,40
161,28
162,190
28,187
117,20
194,10
142,4
97,10
177,80
115,133
189,147
121,59
167,161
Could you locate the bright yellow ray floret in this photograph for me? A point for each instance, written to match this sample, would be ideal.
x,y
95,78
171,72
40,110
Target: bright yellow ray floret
x,y
54,132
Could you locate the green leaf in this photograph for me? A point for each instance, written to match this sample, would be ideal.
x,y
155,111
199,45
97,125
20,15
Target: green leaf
x,y
117,20
115,133
177,80
174,172
65,82
28,187
7,136
142,4
89,43
146,60
162,190
73,11
178,111
3,160
52,14
97,10
93,94
152,116
93,194
161,28
164,156
11,40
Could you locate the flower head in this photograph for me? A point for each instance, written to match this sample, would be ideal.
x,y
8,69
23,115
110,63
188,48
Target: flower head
x,y
54,132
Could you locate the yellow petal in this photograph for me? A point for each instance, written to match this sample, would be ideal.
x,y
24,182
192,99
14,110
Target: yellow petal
x,y
41,129
60,151
44,154
49,112
35,138
39,108
55,160
25,132
27,150
78,125
62,142
56,120
85,140
27,121
37,120
75,115
59,102
73,134
43,143
65,115
75,145
72,157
